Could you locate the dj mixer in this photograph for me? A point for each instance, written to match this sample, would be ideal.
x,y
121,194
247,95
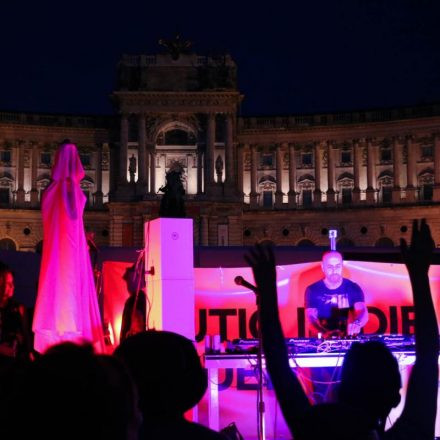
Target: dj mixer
x,y
315,345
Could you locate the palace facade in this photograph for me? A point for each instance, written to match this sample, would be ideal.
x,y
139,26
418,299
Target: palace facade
x,y
283,179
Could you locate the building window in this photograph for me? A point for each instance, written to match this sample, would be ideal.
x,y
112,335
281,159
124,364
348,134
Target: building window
x,y
427,192
45,158
267,199
87,194
307,159
4,195
266,160
176,137
385,154
222,232
307,197
346,156
426,152
426,185
387,194
85,159
5,156
346,196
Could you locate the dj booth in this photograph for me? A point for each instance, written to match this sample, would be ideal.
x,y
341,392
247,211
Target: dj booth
x,y
225,311
303,353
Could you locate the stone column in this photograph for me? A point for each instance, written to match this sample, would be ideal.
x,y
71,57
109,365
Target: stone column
x,y
20,174
98,195
229,151
141,184
357,164
123,150
279,176
411,170
199,170
436,195
152,171
240,171
371,173
318,166
205,230
34,175
292,177
253,193
397,157
209,155
331,194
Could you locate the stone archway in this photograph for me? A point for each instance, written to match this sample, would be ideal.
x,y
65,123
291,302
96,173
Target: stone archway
x,y
384,242
7,244
305,242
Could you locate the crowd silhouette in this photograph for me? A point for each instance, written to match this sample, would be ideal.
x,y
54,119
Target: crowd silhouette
x,y
153,378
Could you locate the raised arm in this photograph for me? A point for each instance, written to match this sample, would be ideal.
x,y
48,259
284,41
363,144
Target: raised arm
x,y
421,397
290,394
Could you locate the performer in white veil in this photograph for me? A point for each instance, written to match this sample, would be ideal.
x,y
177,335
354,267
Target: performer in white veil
x,y
66,307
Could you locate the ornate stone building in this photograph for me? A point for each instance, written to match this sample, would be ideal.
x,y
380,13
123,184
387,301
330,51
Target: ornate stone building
x,y
285,179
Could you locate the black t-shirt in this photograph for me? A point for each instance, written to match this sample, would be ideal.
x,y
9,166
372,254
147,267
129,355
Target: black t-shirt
x,y
333,304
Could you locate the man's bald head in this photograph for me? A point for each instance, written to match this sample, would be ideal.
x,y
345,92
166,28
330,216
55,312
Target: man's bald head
x,y
332,263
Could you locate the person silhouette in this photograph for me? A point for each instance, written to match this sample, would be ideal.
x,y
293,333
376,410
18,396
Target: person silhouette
x,y
69,392
170,379
134,314
15,335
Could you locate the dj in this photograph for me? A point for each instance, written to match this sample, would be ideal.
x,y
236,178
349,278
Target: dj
x,y
335,306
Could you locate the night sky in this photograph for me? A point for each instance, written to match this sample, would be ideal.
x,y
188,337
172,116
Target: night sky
x,y
292,57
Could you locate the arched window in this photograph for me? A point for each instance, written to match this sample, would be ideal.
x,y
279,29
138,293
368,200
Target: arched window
x,y
176,135
87,184
267,187
386,180
345,187
6,185
43,182
345,242
384,242
306,185
7,244
426,184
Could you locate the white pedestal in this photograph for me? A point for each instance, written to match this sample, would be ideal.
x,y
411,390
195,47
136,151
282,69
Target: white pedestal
x,y
170,290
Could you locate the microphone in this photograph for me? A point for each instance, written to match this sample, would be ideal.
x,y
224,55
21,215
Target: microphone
x,y
242,282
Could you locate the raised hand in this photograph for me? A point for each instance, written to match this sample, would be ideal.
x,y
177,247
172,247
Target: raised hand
x,y
262,261
417,257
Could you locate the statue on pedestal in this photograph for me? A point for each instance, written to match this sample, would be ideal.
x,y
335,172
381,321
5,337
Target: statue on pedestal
x,y
219,168
132,168
172,203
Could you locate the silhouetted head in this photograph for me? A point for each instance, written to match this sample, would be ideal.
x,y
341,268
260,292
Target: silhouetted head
x,y
167,372
370,380
70,393
332,267
334,421
134,279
